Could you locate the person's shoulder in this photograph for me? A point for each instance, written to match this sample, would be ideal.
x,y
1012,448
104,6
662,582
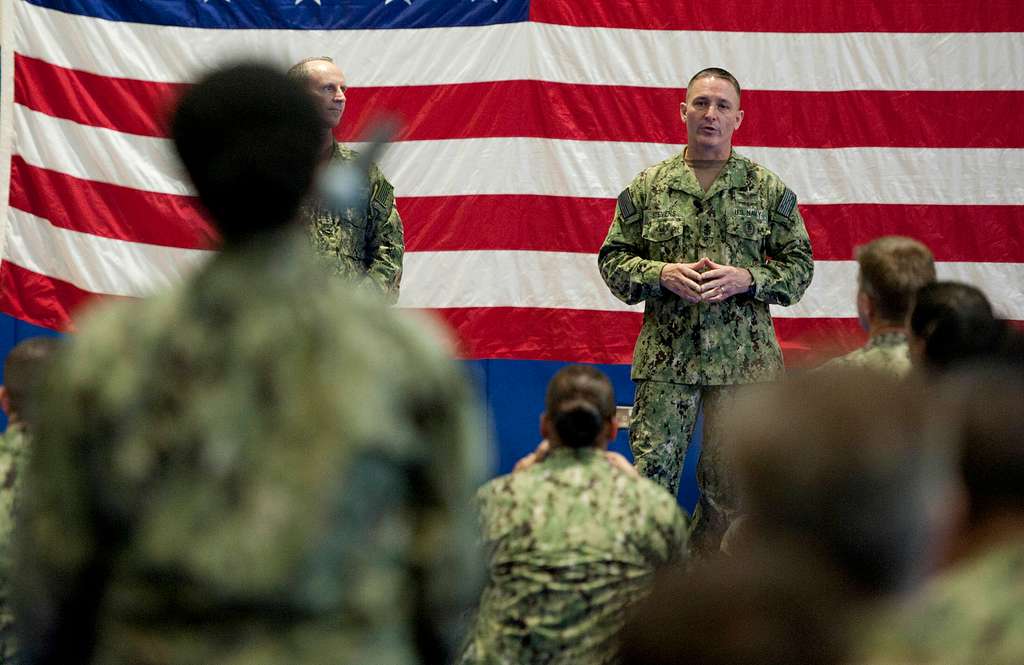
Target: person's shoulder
x,y
670,167
758,172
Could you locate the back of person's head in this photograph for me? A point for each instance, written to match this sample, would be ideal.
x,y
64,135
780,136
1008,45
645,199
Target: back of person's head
x,y
765,607
955,324
249,137
892,269
23,369
580,403
851,462
988,398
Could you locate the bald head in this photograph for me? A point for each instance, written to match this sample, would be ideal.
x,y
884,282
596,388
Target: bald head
x,y
327,83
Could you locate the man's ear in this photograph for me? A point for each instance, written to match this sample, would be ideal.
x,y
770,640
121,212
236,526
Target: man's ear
x,y
545,426
682,111
5,400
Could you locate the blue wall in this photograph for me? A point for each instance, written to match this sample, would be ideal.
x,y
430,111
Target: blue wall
x,y
512,389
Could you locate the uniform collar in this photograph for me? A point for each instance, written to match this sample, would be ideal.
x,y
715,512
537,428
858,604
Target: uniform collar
x,y
733,175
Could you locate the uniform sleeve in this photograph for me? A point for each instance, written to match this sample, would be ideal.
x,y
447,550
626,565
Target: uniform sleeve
x,y
386,244
58,574
787,273
630,276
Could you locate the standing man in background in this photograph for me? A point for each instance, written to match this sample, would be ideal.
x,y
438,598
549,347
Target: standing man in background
x,y
708,239
362,244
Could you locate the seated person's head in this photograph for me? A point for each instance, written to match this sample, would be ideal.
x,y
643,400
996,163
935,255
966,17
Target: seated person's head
x,y
579,409
891,270
855,464
23,369
249,138
950,324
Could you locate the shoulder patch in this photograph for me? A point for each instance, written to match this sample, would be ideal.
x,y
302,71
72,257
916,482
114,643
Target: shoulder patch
x,y
626,207
383,196
787,203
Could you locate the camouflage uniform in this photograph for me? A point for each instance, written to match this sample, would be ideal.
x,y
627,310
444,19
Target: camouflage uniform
x,y
13,454
686,352
887,352
971,615
571,542
257,467
361,245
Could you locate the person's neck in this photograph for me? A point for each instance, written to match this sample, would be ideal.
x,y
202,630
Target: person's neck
x,y
876,328
328,145
698,157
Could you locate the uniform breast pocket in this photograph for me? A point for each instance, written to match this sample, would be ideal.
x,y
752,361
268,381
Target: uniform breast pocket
x,y
745,234
669,238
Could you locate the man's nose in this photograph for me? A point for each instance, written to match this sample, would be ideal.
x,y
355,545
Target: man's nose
x,y
712,112
339,96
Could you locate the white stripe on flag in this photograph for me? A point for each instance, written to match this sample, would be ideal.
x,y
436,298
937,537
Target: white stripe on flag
x,y
564,280
536,51
96,153
593,169
95,264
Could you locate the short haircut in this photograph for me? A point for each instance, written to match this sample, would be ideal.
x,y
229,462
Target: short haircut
x,y
715,72
249,138
23,369
300,70
851,462
580,401
892,269
956,323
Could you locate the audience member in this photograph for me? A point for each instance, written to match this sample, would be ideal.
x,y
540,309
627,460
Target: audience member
x,y
951,324
258,466
572,540
24,365
973,612
891,270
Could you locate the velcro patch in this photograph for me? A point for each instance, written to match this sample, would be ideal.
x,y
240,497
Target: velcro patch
x,y
383,196
627,210
787,203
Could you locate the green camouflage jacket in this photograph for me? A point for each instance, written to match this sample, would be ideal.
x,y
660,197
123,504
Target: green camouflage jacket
x,y
748,219
886,353
260,466
364,244
971,615
571,542
13,455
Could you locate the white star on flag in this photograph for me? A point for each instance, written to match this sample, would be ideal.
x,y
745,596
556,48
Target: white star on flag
x,y
408,2
299,2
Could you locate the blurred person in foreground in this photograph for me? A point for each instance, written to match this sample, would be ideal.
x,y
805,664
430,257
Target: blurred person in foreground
x,y
890,271
364,243
258,466
846,490
953,324
22,369
972,613
572,540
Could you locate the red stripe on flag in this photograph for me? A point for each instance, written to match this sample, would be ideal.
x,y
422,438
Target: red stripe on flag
x,y
965,119
551,223
109,211
125,105
608,337
786,16
42,300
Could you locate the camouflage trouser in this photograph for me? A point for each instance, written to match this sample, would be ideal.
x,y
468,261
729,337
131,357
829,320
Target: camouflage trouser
x,y
664,415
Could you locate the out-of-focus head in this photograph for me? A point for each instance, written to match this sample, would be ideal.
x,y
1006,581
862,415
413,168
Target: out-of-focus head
x,y
249,138
988,398
711,111
579,408
776,607
328,85
952,323
23,369
855,463
892,269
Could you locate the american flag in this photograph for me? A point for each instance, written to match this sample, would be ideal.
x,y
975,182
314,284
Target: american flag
x,y
523,120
